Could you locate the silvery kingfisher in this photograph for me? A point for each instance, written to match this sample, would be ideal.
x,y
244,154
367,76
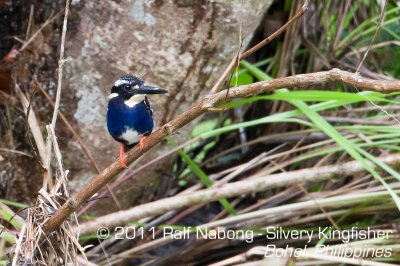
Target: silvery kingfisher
x,y
129,114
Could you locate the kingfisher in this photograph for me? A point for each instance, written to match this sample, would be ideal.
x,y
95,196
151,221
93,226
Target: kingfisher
x,y
129,114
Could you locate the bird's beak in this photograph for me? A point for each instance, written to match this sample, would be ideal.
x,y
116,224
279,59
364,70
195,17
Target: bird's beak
x,y
150,90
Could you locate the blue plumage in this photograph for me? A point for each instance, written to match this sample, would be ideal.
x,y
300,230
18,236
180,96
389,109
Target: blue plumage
x,y
129,115
121,118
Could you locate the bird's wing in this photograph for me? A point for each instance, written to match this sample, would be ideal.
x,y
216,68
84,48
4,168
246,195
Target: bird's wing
x,y
146,102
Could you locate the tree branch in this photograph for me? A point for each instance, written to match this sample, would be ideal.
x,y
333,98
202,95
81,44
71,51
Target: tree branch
x,y
211,101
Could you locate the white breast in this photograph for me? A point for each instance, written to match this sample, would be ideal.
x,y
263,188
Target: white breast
x,y
135,99
130,136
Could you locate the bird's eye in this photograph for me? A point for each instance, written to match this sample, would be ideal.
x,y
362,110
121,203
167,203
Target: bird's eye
x,y
128,87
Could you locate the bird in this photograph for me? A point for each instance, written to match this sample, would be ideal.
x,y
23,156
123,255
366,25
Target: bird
x,y
129,114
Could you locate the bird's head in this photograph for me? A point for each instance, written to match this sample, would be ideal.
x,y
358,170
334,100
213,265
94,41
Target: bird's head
x,y
133,88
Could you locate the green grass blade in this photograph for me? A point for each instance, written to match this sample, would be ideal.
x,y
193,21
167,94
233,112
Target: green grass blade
x,y
9,216
13,203
324,126
201,175
349,147
7,236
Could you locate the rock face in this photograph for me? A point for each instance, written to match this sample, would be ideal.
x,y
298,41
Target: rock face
x,y
179,45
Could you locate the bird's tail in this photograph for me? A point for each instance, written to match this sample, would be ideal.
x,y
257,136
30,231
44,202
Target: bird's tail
x,y
128,147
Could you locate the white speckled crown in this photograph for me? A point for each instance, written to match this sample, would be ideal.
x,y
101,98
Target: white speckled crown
x,y
128,80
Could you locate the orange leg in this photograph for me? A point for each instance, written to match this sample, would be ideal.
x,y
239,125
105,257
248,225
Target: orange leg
x,y
122,155
11,55
141,142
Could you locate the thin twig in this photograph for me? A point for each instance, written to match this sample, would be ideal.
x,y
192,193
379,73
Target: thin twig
x,y
33,125
28,28
61,62
334,75
19,244
79,140
14,52
16,152
276,33
375,34
130,173
258,46
371,47
47,22
47,177
70,128
240,43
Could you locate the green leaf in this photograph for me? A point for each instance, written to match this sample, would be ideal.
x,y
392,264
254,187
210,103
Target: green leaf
x,y
241,79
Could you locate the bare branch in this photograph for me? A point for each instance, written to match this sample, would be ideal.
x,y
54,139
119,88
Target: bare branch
x,y
258,46
210,101
276,33
79,140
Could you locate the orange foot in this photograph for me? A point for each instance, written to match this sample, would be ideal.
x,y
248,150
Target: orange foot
x,y
141,142
122,155
11,55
